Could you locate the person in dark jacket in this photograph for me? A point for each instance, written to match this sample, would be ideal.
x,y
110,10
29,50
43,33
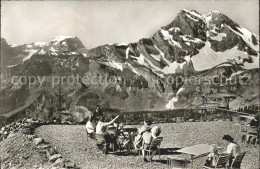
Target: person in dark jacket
x,y
97,113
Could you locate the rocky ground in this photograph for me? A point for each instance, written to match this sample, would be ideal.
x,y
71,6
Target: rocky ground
x,y
21,148
71,142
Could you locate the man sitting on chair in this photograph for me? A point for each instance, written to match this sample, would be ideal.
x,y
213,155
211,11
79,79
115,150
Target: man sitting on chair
x,y
148,137
90,127
101,129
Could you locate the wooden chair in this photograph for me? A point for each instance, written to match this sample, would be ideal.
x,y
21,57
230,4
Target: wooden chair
x,y
88,135
154,146
236,163
251,135
102,142
221,162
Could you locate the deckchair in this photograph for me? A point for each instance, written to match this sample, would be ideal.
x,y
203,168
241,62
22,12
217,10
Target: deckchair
x,y
221,162
236,163
154,146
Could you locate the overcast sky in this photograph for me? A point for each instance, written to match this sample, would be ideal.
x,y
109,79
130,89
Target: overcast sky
x,y
103,22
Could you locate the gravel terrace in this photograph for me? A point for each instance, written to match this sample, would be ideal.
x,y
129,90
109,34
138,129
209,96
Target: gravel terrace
x,y
71,142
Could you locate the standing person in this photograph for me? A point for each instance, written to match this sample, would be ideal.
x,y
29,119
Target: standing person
x,y
90,127
232,149
97,113
139,138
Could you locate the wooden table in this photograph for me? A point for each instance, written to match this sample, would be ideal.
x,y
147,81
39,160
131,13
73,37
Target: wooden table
x,y
195,151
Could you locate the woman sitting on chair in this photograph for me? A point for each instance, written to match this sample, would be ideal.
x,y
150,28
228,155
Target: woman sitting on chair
x,y
148,137
139,138
232,149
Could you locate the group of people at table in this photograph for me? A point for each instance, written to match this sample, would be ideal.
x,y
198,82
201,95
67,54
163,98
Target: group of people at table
x,y
114,133
233,148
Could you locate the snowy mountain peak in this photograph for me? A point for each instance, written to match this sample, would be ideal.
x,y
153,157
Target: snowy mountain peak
x,y
39,44
62,38
13,45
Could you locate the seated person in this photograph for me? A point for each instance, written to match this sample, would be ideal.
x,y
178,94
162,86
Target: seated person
x,y
90,127
101,129
212,158
253,124
232,149
148,137
141,131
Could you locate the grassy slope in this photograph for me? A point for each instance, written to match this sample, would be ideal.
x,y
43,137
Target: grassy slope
x,y
71,143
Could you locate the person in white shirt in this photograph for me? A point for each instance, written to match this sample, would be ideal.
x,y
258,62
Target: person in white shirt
x,y
101,125
101,130
148,137
90,127
232,149
139,138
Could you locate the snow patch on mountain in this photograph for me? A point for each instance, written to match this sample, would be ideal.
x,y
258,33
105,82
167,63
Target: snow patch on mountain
x,y
84,54
121,44
193,13
207,18
13,45
192,18
134,70
32,52
42,52
208,58
162,55
141,60
188,38
53,51
168,36
171,68
40,44
127,52
113,64
246,36
156,57
62,38
175,29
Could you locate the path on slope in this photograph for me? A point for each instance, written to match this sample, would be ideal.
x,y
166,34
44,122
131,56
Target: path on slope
x,y
71,142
